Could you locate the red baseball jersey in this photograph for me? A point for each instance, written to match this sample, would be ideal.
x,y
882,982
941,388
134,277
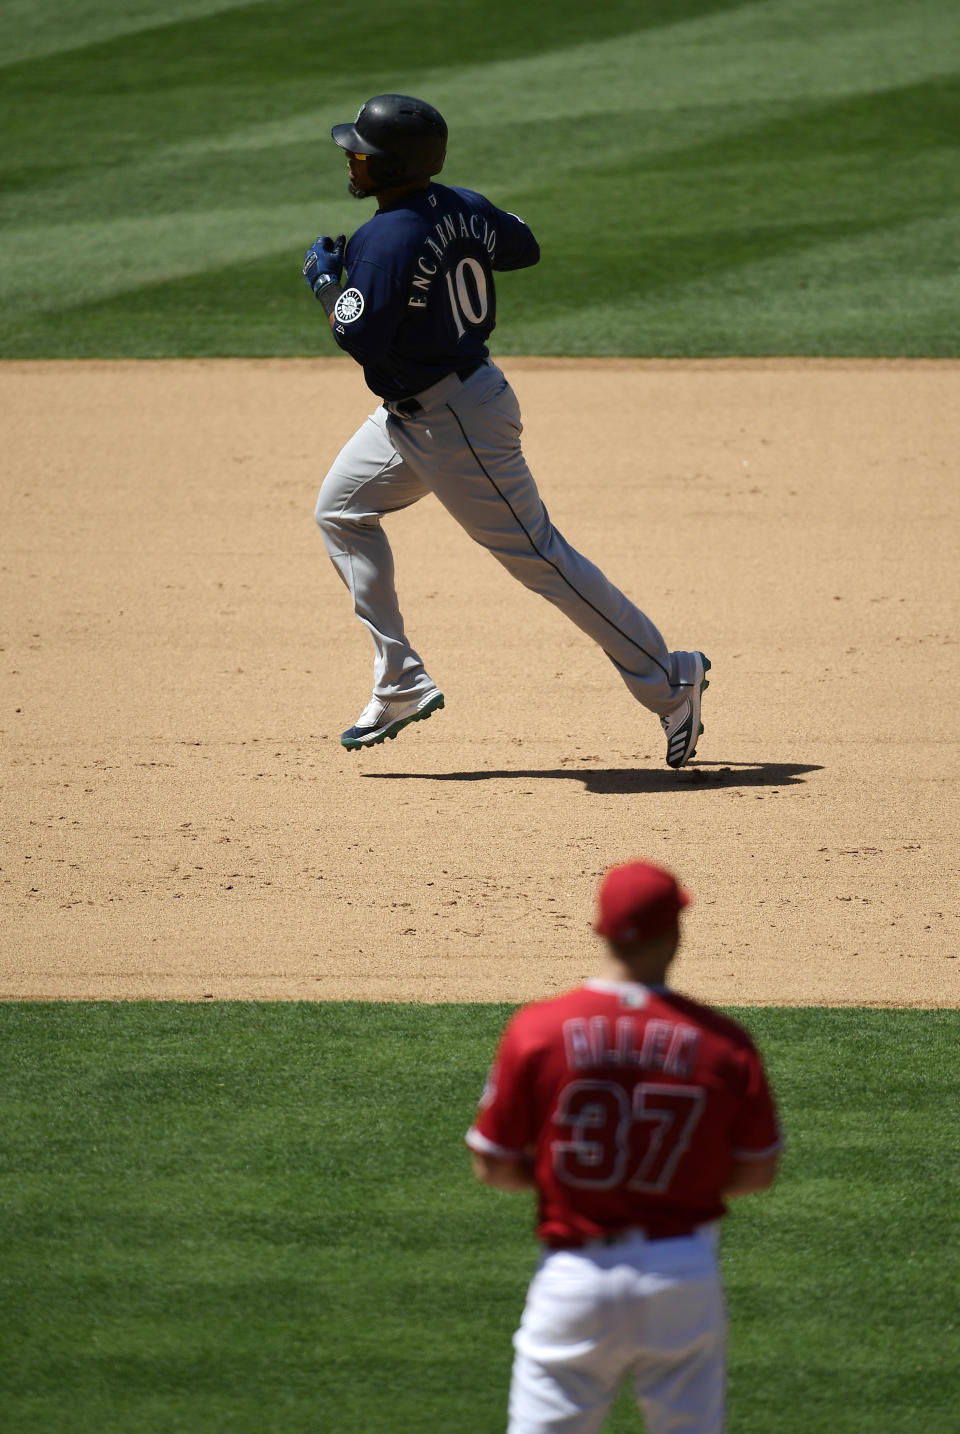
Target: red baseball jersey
x,y
632,1102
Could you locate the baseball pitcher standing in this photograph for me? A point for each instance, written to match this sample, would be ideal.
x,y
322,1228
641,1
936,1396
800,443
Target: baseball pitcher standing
x,y
416,310
635,1114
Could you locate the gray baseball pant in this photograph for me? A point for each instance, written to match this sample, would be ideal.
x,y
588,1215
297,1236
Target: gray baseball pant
x,y
463,445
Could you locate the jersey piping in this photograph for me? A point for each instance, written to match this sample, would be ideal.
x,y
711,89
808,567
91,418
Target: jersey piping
x,y
614,988
758,1154
483,1146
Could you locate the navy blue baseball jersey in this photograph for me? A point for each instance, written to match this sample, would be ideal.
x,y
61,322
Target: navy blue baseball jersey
x,y
419,300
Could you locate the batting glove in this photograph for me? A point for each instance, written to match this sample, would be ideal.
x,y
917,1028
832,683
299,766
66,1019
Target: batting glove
x,y
323,262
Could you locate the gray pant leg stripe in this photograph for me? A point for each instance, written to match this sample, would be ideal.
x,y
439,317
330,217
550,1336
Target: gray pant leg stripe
x,y
543,558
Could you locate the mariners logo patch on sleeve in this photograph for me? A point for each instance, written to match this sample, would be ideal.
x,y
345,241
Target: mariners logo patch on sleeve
x,y
349,306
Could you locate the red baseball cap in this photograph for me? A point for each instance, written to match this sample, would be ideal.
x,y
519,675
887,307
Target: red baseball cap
x,y
637,901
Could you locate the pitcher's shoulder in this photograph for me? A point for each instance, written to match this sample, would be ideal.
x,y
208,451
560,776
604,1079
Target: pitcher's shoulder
x,y
708,1018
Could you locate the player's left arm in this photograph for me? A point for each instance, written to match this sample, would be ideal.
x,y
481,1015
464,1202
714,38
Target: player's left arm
x,y
323,268
502,1137
365,311
514,1175
369,311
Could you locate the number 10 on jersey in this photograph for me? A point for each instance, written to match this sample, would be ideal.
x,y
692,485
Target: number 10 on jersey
x,y
469,297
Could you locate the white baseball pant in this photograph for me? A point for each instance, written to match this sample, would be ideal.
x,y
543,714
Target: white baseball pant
x,y
464,446
648,1311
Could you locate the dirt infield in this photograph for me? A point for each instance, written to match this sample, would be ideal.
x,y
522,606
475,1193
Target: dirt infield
x,y
178,659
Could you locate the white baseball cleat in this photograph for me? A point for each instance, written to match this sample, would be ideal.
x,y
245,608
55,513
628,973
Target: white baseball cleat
x,y
683,725
380,719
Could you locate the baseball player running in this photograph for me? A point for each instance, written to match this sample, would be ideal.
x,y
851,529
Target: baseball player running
x,y
416,309
635,1114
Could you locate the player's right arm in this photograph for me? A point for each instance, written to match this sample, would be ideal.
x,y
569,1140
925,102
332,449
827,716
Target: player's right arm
x,y
749,1177
756,1139
516,246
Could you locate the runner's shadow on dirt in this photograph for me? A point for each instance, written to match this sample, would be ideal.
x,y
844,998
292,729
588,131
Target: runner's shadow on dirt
x,y
621,781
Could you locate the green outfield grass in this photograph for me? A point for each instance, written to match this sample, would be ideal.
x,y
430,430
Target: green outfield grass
x,y
705,176
259,1219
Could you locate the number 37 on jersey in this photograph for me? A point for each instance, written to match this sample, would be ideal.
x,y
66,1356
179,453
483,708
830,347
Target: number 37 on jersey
x,y
605,1135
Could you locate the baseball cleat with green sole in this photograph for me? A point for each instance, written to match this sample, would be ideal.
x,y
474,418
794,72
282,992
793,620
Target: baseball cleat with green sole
x,y
381,720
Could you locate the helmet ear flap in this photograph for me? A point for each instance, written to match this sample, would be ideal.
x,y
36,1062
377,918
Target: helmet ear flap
x,y
384,170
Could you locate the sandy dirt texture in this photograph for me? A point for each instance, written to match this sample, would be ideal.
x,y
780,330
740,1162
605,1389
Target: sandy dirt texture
x,y
179,819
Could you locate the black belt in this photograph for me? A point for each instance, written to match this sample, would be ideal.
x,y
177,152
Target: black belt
x,y
409,406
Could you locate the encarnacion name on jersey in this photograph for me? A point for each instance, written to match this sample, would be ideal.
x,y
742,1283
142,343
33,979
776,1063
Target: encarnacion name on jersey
x,y
447,228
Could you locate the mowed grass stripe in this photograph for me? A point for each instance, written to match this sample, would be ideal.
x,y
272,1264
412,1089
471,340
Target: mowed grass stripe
x,y
839,299
34,29
845,140
631,97
260,1217
250,47
668,154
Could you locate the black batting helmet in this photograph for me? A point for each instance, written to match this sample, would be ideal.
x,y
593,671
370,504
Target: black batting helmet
x,y
404,139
